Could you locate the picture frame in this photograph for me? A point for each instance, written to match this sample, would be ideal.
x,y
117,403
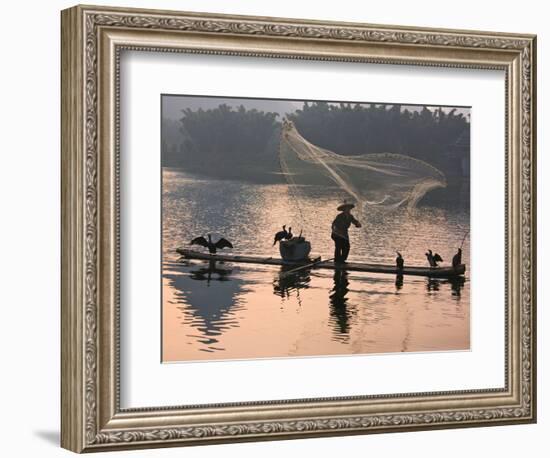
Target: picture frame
x,y
93,39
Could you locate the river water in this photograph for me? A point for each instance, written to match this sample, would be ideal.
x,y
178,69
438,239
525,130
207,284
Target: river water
x,y
213,311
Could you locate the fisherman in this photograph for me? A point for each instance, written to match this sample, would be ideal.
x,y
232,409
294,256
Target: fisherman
x,y
340,227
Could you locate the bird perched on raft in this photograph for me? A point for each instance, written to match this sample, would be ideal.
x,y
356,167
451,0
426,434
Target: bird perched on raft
x,y
212,247
281,235
433,259
457,258
399,261
289,234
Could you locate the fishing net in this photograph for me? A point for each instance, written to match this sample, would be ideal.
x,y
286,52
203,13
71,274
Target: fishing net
x,y
373,182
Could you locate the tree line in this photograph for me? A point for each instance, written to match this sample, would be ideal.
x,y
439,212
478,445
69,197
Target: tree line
x,y
240,143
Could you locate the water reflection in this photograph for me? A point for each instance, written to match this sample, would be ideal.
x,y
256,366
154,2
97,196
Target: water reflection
x,y
218,269
432,285
398,282
284,284
233,310
215,299
456,285
341,312
208,297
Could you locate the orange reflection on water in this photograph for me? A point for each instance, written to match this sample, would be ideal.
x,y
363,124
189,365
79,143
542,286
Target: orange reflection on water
x,y
215,311
322,313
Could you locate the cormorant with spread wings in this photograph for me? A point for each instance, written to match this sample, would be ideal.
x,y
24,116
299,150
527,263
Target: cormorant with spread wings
x,y
212,247
433,259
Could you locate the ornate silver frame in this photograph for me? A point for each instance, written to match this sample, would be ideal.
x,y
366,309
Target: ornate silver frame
x,y
92,39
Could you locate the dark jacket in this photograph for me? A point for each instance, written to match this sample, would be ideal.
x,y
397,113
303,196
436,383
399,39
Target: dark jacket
x,y
341,224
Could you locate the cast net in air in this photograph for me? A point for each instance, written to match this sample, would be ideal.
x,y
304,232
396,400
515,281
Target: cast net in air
x,y
373,182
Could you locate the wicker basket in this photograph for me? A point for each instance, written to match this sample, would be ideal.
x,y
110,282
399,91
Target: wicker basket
x,y
295,249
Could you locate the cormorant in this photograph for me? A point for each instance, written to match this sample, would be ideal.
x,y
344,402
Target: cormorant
x,y
457,258
280,235
289,234
212,247
399,261
433,259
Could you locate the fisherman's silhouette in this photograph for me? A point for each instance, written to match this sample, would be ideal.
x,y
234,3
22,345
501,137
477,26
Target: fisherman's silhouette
x,y
340,235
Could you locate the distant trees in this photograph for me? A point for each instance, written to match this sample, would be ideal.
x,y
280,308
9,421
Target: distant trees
x,y
437,136
226,141
370,128
236,142
228,130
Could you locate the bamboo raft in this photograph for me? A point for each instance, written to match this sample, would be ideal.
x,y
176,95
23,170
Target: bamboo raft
x,y
433,272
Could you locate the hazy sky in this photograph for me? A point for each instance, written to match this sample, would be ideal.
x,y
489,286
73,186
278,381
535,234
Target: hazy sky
x,y
172,105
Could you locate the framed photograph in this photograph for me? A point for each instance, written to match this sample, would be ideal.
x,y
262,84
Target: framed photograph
x,y
279,228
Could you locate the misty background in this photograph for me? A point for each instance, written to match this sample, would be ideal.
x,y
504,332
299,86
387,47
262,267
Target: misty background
x,y
237,139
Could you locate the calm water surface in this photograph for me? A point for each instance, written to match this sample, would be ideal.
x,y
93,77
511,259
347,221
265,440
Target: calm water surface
x,y
234,311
